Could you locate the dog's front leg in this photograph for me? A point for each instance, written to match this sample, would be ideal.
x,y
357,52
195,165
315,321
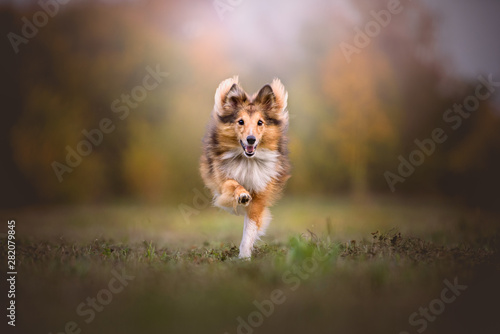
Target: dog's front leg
x,y
257,219
250,235
232,194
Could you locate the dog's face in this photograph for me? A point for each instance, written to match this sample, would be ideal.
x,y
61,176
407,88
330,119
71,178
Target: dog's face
x,y
249,128
251,122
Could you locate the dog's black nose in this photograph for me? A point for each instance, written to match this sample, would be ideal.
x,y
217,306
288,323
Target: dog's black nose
x,y
251,140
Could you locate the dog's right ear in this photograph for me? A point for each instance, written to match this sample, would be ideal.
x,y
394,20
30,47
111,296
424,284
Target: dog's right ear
x,y
228,97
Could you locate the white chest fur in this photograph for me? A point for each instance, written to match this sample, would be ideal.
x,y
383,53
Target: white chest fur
x,y
252,173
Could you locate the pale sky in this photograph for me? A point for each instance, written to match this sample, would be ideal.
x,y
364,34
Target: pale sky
x,y
468,32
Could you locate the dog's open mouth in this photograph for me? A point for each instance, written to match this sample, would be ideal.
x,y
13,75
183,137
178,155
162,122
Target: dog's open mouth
x,y
248,149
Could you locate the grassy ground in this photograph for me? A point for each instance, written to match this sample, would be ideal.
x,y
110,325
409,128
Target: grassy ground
x,y
326,266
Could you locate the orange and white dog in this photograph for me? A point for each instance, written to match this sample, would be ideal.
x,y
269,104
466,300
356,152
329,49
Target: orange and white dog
x,y
245,159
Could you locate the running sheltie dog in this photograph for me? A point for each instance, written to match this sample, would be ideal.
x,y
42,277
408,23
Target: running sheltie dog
x,y
245,158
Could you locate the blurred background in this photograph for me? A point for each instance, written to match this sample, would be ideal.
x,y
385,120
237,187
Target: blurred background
x,y
104,105
353,113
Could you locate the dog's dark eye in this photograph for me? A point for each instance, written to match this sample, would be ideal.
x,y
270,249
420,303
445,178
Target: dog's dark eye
x,y
259,123
241,122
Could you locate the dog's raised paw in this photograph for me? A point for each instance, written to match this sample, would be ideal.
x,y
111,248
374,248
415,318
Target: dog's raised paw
x,y
244,199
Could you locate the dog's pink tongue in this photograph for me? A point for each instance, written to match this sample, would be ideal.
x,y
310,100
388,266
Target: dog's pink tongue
x,y
249,149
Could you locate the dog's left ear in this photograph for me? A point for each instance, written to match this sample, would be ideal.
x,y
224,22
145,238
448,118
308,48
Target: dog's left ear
x,y
229,97
273,99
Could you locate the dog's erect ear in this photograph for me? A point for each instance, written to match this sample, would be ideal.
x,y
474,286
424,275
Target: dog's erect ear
x,y
281,95
228,97
234,98
265,98
273,100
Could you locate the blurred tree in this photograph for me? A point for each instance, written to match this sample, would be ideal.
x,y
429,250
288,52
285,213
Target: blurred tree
x,y
348,121
364,97
74,70
18,189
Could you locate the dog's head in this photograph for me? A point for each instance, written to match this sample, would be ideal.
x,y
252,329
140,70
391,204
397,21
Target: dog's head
x,y
251,122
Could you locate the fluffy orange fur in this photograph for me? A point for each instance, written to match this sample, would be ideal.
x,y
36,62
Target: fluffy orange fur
x,y
236,117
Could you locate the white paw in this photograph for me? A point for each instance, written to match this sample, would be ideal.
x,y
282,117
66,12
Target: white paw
x,y
245,254
244,199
